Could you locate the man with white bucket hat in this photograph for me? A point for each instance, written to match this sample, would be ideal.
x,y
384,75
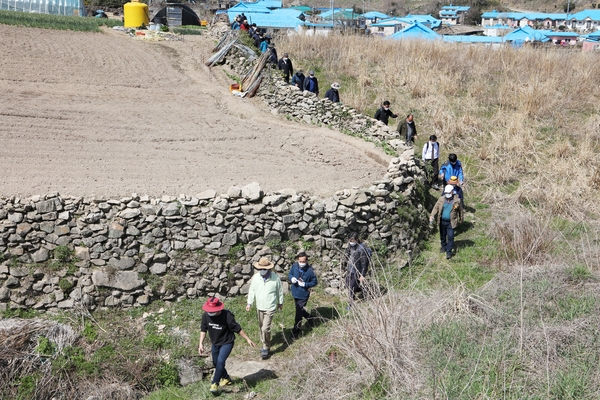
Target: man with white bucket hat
x,y
267,291
449,214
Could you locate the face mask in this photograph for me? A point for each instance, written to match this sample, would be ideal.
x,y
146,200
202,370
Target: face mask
x,y
264,272
353,243
386,108
453,163
212,314
302,265
448,195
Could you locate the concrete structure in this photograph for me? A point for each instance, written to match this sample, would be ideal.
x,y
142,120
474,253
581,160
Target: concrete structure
x,y
453,15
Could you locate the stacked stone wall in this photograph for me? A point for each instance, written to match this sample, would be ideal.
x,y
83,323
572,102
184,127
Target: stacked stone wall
x,y
64,252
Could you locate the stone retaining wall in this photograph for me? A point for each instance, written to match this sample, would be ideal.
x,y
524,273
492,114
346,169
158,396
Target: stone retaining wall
x,y
63,252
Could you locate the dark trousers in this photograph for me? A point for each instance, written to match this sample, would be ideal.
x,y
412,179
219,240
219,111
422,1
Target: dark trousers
x,y
219,357
447,236
300,313
353,286
435,164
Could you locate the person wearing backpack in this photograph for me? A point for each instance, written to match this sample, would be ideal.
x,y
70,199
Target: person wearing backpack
x,y
356,262
451,168
431,155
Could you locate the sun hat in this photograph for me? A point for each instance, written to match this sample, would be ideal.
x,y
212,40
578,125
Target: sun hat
x,y
213,304
453,180
448,189
263,263
335,85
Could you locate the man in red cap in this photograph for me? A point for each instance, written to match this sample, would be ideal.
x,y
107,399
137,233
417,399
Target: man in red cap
x,y
221,327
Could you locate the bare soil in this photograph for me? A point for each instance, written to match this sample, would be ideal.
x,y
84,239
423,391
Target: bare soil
x,y
106,114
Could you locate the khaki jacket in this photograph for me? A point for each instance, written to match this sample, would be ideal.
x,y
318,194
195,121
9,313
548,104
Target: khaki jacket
x,y
456,215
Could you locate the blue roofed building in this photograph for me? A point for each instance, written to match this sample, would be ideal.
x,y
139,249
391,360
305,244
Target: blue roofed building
x,y
340,13
453,15
474,39
388,27
373,17
584,21
416,31
526,34
496,30
282,18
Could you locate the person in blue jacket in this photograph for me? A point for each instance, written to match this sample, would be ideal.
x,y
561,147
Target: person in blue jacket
x,y
301,277
451,168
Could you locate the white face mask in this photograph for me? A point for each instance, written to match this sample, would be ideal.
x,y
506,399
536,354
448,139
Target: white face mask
x,y
264,272
212,314
353,243
302,265
448,195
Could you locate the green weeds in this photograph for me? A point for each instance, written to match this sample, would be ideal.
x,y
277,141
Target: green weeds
x,y
46,21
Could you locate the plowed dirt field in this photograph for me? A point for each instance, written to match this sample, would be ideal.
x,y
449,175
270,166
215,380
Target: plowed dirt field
x,y
106,114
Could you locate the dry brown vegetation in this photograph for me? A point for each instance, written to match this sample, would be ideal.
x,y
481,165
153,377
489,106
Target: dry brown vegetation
x,y
524,120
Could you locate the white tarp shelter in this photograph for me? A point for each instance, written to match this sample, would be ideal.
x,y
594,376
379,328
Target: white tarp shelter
x,y
56,7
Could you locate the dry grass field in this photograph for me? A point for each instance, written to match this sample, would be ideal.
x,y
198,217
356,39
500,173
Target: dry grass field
x,y
524,120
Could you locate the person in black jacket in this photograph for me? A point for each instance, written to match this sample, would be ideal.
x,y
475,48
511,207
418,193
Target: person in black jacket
x,y
301,278
311,83
221,327
333,94
298,80
285,64
356,262
384,113
273,58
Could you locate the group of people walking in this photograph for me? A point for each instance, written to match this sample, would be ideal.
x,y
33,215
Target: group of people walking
x,y
406,128
309,83
266,294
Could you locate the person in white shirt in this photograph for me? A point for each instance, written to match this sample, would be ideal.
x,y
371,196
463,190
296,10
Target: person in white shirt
x,y
431,154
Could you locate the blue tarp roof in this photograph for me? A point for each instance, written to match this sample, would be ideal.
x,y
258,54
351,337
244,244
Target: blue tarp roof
x,y
526,34
559,34
456,8
594,15
531,16
340,13
246,8
389,22
416,31
280,18
424,19
499,26
375,14
472,39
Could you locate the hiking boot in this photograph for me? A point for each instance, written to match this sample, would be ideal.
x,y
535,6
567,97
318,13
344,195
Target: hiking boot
x,y
448,256
442,250
214,389
264,354
224,382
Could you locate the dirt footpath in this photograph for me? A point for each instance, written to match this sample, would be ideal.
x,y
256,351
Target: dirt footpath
x,y
105,114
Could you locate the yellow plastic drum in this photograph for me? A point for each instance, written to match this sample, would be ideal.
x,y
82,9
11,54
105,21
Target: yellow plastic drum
x,y
135,14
